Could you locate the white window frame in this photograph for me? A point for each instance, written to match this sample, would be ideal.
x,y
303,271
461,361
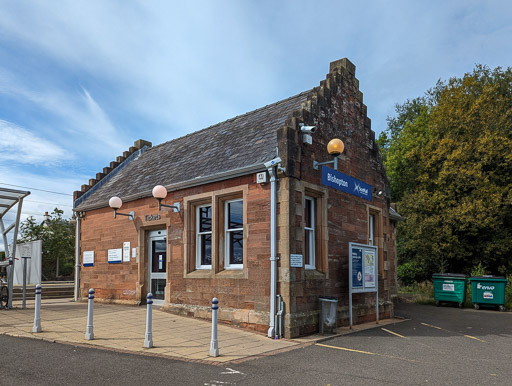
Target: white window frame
x,y
198,237
227,248
310,232
371,228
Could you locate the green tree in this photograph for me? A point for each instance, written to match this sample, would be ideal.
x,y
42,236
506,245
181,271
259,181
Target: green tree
x,y
58,239
449,158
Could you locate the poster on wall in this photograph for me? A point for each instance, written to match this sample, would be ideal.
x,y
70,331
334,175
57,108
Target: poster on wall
x,y
126,251
357,267
115,255
369,269
88,258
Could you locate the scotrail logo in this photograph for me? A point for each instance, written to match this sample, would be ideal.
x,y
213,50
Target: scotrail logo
x,y
358,188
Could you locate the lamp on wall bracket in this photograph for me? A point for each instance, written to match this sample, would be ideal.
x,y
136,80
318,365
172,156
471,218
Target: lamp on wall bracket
x,y
116,203
160,192
378,193
335,147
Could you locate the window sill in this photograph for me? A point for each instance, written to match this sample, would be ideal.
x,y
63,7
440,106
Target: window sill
x,y
200,274
232,274
312,274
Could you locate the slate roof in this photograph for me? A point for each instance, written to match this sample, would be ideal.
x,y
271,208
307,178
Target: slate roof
x,y
239,143
393,215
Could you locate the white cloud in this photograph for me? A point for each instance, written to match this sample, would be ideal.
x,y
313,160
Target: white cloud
x,y
22,146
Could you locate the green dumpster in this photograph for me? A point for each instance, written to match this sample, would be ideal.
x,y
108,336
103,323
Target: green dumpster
x,y
488,290
449,287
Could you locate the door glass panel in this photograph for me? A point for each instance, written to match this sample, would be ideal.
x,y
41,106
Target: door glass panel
x,y
158,287
159,256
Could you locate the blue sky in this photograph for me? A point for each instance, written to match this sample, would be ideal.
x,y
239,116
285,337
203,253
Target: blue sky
x,y
81,80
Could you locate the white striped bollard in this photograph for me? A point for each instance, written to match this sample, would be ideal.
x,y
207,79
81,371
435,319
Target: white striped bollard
x,y
37,313
89,333
148,341
214,344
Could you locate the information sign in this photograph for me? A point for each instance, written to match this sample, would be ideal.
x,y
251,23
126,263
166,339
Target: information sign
x,y
88,258
126,251
347,184
296,261
115,255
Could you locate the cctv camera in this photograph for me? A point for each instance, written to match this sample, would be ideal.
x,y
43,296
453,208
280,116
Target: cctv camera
x,y
308,129
273,162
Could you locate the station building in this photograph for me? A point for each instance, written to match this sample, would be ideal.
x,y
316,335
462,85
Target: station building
x,y
248,216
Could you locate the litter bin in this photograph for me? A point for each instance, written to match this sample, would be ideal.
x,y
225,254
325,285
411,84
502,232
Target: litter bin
x,y
328,313
488,290
449,287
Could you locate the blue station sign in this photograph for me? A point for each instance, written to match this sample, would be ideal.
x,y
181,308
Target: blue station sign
x,y
347,184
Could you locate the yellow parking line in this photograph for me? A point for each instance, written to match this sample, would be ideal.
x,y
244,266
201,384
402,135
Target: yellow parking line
x,y
472,337
364,352
467,336
346,349
429,325
393,333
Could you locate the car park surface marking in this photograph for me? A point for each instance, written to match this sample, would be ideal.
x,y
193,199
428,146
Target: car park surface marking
x,y
394,333
466,336
364,352
472,337
429,325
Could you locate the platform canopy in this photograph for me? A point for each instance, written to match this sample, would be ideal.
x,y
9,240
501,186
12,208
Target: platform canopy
x,y
9,198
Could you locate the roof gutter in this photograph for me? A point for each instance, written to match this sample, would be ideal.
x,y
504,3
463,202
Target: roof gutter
x,y
185,184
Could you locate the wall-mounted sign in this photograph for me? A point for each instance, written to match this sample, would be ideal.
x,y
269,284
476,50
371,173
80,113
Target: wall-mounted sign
x,y
134,253
347,184
115,255
88,258
261,178
362,268
126,251
296,261
151,217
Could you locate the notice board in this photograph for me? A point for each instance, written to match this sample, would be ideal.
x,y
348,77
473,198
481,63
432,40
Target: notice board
x,y
363,273
362,265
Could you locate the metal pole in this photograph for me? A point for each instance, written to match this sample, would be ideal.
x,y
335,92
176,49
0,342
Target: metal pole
x,y
214,344
350,306
24,301
273,259
37,315
377,301
77,258
148,342
89,333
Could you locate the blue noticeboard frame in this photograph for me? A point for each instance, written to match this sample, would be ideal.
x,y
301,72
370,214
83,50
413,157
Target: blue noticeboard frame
x,y
347,184
363,274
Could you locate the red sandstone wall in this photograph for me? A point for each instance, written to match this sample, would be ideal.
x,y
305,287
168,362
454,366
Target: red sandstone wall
x,y
243,290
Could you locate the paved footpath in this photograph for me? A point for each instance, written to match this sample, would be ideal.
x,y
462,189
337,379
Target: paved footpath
x,y
122,328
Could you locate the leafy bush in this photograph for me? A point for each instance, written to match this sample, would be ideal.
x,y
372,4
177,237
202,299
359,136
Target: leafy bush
x,y
409,273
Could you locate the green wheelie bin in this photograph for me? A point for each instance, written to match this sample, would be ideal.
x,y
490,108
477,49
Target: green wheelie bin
x,y
488,290
449,287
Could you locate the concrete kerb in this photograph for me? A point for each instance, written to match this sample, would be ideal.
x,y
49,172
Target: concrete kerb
x,y
342,331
